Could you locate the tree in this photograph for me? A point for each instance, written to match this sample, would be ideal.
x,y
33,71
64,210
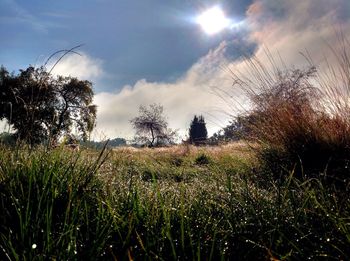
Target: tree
x,y
40,106
198,131
241,127
151,126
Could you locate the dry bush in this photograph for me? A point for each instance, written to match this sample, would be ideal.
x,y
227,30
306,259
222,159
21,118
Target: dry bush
x,y
301,116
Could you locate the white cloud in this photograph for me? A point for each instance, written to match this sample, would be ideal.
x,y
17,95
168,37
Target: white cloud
x,y
81,66
189,95
5,127
288,27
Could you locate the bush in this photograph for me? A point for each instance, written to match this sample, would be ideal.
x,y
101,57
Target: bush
x,y
299,121
7,139
202,159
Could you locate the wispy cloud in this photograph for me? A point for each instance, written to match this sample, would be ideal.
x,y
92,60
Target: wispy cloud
x,y
13,13
56,14
81,65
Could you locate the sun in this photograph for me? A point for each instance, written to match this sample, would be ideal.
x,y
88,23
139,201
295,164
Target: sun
x,y
213,20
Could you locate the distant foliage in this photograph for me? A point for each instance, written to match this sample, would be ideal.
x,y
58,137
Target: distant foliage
x,y
198,133
7,139
40,106
151,127
239,128
100,144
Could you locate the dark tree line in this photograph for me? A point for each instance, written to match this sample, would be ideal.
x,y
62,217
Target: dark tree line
x,y
116,142
41,107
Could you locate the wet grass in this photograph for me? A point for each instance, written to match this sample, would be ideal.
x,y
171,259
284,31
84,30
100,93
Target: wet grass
x,y
180,203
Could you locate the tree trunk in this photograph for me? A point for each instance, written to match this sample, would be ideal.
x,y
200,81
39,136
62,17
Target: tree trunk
x,y
153,138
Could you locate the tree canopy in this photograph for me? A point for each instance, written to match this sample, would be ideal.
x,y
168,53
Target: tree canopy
x,y
151,126
198,131
40,106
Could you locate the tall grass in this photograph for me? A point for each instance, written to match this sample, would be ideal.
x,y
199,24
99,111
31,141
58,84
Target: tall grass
x,y
162,204
300,117
51,206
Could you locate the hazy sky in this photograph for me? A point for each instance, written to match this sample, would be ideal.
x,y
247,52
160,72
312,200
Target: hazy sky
x,y
145,51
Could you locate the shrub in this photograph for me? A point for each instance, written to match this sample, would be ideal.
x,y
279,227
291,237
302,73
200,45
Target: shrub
x,y
202,159
300,121
7,139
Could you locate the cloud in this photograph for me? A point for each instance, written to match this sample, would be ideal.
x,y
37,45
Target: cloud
x,y
290,27
15,13
191,94
81,66
287,27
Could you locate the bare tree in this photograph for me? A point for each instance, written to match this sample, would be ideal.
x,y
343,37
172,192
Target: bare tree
x,y
151,126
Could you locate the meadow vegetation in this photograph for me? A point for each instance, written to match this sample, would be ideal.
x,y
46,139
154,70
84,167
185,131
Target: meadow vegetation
x,y
281,193
179,203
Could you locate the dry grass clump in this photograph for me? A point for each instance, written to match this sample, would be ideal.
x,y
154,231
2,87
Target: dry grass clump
x,y
301,117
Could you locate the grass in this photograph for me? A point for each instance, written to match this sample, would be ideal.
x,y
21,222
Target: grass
x,y
149,204
300,117
283,197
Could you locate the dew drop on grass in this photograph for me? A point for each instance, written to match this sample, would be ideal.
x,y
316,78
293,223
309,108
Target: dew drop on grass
x,y
34,246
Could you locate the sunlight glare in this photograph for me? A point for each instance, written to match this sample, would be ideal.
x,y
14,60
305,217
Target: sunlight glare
x,y
213,20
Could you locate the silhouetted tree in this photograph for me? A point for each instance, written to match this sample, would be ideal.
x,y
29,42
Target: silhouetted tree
x,y
198,131
40,106
151,126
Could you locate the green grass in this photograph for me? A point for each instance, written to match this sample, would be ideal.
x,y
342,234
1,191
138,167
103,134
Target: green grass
x,y
163,204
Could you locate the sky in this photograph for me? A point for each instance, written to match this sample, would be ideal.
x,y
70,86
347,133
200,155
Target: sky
x,y
153,51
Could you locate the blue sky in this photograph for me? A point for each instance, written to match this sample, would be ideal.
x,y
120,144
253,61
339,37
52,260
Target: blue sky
x,y
151,39
139,52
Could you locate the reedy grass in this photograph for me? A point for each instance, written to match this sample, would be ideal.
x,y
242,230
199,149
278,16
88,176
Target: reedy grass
x,y
300,117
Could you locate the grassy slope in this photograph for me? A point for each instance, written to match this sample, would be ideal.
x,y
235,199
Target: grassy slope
x,y
175,203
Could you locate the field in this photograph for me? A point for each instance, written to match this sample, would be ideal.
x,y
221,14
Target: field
x,y
176,203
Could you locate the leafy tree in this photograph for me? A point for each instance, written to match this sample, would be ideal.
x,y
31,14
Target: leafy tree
x,y
151,126
40,106
198,131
